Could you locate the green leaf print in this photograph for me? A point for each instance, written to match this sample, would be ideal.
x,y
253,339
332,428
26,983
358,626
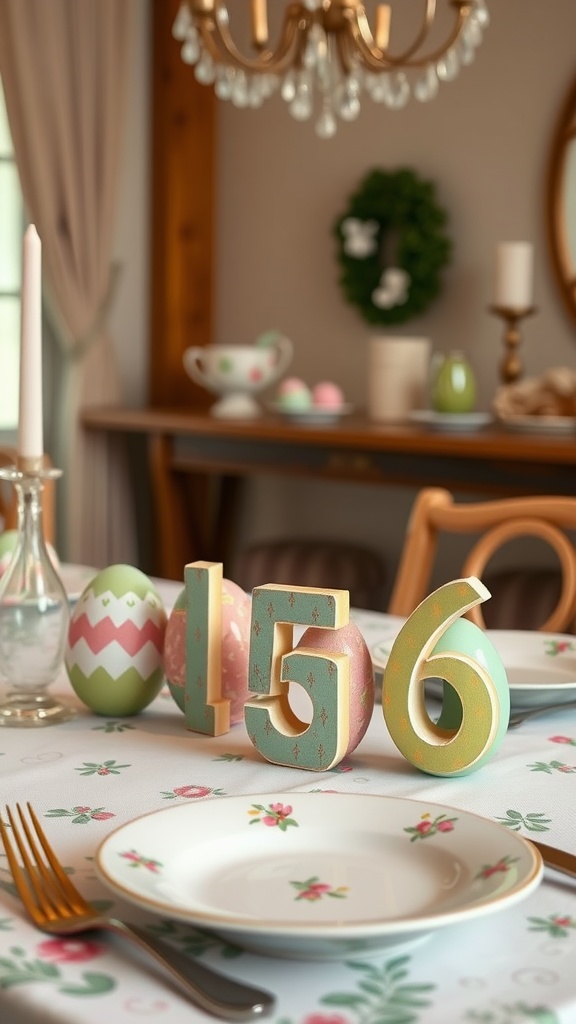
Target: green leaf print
x,y
20,971
382,998
533,822
552,766
94,985
106,768
192,941
113,727
557,925
518,1013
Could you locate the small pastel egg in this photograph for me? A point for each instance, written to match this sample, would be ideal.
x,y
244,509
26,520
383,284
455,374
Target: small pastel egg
x,y
327,395
115,642
290,385
8,541
236,614
349,640
294,394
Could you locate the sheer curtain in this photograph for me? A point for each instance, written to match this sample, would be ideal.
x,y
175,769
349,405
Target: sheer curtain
x,y
65,70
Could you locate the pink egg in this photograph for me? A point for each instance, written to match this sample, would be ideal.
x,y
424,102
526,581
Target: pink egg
x,y
349,640
291,384
294,395
236,612
327,395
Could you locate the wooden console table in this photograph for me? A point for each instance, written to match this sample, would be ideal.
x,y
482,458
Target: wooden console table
x,y
196,461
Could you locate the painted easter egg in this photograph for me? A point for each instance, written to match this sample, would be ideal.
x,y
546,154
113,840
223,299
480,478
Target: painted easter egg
x,y
236,612
349,640
115,642
8,541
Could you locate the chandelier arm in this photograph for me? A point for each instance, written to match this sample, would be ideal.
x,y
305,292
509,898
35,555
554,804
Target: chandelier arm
x,y
218,42
358,36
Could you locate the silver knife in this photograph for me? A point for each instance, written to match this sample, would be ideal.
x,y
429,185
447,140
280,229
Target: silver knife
x,y
560,860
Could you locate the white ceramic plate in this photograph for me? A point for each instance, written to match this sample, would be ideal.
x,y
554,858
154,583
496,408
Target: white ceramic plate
x,y
318,875
447,421
541,424
541,667
314,416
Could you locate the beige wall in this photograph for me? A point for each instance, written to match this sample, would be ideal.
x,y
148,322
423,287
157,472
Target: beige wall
x,y
484,141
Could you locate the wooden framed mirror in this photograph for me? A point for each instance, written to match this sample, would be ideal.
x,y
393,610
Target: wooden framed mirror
x,y
561,213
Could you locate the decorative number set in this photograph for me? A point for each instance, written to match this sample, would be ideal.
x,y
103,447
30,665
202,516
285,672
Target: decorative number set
x,y
228,658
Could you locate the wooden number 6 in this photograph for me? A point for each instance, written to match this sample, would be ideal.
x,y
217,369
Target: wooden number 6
x,y
436,642
272,726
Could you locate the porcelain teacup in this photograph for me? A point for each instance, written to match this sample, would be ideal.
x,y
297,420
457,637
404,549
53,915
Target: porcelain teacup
x,y
237,371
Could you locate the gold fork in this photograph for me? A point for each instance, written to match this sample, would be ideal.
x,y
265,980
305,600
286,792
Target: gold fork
x,y
56,907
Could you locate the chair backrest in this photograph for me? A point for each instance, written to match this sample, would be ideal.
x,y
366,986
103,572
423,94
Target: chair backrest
x,y
498,521
9,500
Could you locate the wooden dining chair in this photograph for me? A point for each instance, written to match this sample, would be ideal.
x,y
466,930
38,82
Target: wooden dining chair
x,y
9,499
498,521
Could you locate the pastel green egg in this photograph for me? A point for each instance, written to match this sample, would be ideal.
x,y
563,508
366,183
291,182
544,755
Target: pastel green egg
x,y
115,642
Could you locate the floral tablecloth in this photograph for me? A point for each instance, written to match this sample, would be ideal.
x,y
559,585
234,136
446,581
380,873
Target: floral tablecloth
x,y
89,775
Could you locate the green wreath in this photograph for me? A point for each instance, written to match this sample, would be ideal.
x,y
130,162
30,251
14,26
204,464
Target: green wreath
x,y
392,247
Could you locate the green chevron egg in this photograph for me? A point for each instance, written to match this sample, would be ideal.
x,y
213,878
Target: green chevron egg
x,y
115,642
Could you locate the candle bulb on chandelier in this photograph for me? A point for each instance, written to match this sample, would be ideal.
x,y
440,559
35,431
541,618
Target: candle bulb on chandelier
x,y
382,26
30,438
259,16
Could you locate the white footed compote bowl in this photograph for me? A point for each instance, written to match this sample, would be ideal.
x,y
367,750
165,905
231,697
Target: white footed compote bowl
x,y
237,372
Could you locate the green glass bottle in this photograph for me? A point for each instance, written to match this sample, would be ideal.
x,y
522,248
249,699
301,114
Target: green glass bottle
x,y
454,385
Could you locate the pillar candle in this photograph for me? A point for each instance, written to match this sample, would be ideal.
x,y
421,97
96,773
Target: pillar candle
x,y
30,439
514,272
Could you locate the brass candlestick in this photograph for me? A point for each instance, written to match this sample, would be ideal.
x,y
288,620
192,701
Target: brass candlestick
x,y
511,367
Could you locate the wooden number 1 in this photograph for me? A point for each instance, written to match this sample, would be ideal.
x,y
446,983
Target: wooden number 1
x,y
204,707
436,642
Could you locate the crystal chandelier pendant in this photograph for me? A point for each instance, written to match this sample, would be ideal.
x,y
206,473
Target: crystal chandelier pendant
x,y
325,56
34,615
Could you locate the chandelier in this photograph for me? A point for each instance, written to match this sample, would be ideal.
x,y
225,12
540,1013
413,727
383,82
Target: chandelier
x,y
326,54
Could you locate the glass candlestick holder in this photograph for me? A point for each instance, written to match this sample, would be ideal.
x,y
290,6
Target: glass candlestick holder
x,y
511,366
34,611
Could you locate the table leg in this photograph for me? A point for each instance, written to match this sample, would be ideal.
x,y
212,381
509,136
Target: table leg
x,y
171,541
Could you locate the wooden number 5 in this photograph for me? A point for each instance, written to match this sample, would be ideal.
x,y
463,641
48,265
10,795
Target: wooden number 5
x,y
272,726
436,642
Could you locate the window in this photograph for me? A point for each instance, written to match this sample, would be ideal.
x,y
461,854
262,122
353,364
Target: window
x,y
12,220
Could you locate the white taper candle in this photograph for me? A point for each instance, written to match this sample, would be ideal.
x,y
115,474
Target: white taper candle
x,y
514,273
30,433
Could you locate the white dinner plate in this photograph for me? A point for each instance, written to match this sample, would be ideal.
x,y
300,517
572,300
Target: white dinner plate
x,y
318,875
541,667
540,424
451,421
314,416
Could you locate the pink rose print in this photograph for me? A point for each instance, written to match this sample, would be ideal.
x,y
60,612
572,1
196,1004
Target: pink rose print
x,y
80,815
563,739
273,815
428,827
137,860
320,1018
423,827
68,951
445,826
313,890
501,866
191,792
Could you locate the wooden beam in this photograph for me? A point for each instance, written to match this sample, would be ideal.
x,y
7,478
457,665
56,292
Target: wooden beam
x,y
182,236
